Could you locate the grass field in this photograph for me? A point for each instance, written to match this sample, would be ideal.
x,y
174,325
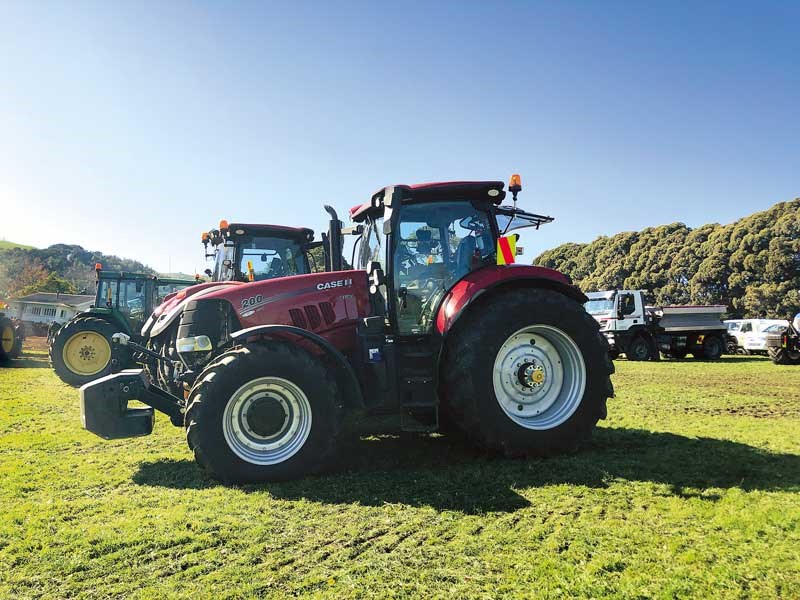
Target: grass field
x,y
691,488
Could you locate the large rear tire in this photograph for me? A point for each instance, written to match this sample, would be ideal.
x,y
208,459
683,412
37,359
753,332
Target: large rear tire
x,y
784,356
8,339
264,413
82,351
527,373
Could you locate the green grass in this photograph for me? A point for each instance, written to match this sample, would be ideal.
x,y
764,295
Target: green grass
x,y
690,489
5,245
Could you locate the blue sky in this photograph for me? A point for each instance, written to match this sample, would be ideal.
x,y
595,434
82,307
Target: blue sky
x,y
131,127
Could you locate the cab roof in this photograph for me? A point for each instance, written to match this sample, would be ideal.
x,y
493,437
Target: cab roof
x,y
443,190
277,230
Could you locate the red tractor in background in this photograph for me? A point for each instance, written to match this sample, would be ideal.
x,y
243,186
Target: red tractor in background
x,y
434,320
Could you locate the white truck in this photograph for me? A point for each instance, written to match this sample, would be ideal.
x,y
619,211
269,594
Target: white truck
x,y
642,332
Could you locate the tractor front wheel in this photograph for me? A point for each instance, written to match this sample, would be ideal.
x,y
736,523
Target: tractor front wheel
x,y
269,412
527,373
82,351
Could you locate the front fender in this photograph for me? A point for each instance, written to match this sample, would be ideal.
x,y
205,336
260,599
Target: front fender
x,y
477,283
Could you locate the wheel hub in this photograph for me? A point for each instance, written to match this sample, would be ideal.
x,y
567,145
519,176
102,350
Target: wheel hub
x,y
531,375
86,353
266,416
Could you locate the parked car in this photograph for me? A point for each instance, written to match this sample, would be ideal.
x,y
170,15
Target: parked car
x,y
755,341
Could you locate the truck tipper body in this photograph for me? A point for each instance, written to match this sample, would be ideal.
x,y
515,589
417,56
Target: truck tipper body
x,y
644,332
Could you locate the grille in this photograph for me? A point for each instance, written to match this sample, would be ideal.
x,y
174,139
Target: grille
x,y
298,318
327,312
312,312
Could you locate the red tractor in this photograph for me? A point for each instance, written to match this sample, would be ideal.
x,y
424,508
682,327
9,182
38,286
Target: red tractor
x,y
434,321
242,252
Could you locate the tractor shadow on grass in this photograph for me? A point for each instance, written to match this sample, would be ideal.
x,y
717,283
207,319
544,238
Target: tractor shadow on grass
x,y
447,473
27,362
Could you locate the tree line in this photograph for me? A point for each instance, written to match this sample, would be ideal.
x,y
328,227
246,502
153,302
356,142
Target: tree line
x,y
752,265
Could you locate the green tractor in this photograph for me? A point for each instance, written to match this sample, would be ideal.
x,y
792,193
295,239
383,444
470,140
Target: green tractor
x,y
82,350
11,338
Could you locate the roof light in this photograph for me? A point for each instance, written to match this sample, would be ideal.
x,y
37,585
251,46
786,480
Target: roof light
x,y
223,225
98,267
205,236
515,184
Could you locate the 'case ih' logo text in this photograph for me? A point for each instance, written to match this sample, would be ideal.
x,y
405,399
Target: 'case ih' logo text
x,y
334,284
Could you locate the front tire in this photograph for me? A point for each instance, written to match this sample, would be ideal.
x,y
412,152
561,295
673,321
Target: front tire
x,y
82,351
269,412
638,349
527,373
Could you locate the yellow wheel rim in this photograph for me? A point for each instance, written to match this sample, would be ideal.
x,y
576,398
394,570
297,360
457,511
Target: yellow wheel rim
x,y
86,353
8,339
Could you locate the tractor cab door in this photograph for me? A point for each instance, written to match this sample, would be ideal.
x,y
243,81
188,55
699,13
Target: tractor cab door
x,y
135,301
430,246
434,244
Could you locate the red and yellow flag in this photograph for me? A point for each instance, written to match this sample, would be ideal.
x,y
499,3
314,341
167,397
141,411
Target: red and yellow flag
x,y
506,250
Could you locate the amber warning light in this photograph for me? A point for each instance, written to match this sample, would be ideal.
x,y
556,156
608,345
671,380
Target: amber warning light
x,y
223,225
98,267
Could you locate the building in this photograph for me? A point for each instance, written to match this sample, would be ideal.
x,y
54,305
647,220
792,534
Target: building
x,y
37,311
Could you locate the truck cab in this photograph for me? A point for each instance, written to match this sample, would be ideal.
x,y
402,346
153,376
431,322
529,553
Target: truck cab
x,y
617,310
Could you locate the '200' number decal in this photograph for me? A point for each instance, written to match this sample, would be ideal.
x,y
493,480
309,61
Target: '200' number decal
x,y
252,301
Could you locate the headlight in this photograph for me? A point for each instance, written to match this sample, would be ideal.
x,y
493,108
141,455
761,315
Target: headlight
x,y
197,343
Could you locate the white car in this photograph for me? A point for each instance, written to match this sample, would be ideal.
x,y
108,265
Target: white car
x,y
755,341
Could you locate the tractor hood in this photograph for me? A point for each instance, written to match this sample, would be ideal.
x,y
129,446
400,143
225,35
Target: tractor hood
x,y
166,312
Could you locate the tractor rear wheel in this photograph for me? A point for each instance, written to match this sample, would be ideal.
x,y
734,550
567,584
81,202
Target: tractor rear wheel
x,y
527,373
82,351
269,412
784,356
8,339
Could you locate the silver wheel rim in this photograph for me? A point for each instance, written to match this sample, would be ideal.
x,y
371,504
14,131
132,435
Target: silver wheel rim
x,y
539,377
267,420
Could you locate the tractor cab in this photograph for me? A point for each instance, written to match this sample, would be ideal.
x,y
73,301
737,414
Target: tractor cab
x,y
419,241
131,297
247,252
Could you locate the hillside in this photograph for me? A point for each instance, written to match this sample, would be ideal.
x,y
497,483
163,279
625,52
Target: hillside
x,y
61,267
5,245
751,265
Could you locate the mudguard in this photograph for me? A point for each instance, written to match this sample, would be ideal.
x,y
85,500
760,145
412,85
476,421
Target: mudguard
x,y
475,284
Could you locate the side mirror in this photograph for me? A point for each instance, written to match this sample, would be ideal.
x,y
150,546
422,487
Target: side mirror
x,y
208,272
227,263
520,250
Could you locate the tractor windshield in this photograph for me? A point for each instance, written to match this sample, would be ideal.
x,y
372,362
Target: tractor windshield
x,y
271,257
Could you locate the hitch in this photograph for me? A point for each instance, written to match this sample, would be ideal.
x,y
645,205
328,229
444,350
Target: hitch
x,y
105,411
